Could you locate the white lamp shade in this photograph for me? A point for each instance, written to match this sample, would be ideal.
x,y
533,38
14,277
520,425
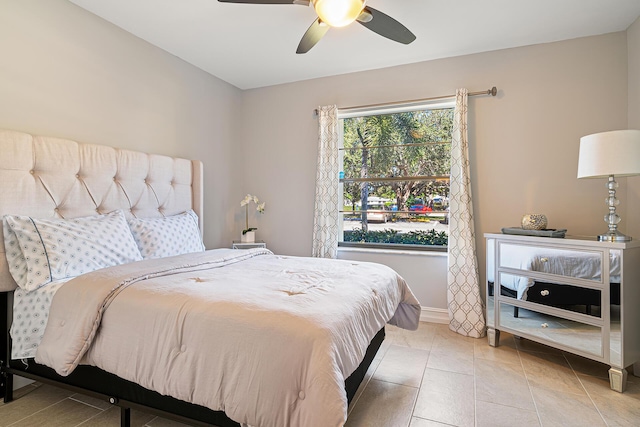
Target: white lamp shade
x,y
609,153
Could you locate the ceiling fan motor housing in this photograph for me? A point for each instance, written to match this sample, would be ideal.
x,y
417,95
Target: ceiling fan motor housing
x,y
338,13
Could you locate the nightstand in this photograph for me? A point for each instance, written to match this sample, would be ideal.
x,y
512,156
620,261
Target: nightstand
x,y
575,294
241,245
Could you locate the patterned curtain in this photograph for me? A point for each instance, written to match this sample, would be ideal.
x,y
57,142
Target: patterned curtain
x,y
466,310
326,214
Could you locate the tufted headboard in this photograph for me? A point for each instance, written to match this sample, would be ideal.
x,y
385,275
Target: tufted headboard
x,y
56,178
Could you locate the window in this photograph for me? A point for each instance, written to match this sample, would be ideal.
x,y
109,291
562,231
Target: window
x,y
395,176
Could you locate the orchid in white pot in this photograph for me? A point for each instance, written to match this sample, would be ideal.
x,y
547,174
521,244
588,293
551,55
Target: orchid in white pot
x,y
248,234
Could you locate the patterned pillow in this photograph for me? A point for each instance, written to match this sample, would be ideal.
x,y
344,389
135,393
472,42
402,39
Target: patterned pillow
x,y
14,255
172,235
56,248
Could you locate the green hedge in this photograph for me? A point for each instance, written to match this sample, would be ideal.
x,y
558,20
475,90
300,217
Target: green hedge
x,y
430,237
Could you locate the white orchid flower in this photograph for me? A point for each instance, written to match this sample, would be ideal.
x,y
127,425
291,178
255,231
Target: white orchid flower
x,y
259,207
247,199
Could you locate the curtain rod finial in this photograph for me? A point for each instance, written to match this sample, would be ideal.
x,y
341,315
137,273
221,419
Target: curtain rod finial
x,y
493,91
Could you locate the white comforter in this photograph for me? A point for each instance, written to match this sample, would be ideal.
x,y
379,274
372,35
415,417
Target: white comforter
x,y
268,339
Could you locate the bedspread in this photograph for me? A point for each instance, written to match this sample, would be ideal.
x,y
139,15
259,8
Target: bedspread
x,y
267,339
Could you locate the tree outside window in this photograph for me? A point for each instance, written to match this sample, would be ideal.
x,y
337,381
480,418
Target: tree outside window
x,y
396,177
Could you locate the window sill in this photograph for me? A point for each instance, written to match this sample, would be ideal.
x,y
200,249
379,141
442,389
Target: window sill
x,y
393,250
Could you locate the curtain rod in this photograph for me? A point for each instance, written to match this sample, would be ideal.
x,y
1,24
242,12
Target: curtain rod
x,y
493,92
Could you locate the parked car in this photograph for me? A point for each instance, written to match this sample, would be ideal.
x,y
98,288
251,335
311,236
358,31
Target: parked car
x,y
381,214
440,202
419,207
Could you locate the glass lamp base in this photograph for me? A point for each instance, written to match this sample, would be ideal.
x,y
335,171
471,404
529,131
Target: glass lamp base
x,y
614,236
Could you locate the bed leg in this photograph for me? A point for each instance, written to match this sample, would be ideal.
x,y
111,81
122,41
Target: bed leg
x,y
6,379
6,387
125,417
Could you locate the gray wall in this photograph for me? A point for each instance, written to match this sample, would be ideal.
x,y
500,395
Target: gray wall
x,y
633,50
65,72
632,198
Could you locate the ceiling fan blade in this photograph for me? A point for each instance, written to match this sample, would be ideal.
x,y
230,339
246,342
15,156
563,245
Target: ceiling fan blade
x,y
385,25
301,2
316,31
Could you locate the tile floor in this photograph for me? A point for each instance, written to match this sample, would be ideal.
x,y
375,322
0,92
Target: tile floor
x,y
427,378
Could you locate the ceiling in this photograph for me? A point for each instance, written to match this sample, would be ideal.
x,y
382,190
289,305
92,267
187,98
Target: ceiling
x,y
253,46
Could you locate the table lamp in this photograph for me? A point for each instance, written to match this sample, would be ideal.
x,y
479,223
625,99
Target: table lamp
x,y
610,154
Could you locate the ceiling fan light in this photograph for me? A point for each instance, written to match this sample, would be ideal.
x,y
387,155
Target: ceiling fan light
x,y
338,13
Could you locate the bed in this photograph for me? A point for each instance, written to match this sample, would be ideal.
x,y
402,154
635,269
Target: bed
x,y
583,265
216,337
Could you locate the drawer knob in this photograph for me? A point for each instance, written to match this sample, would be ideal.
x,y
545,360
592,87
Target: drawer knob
x,y
544,259
544,292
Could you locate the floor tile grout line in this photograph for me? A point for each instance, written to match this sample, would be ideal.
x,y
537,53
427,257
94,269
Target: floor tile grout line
x,y
526,377
91,417
415,400
391,343
424,370
354,403
439,422
500,363
585,389
150,421
85,403
38,411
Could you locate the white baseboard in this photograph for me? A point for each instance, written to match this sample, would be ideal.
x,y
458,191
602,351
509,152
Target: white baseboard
x,y
434,315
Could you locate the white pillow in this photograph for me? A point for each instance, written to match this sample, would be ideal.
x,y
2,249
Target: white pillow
x,y
168,236
56,248
15,258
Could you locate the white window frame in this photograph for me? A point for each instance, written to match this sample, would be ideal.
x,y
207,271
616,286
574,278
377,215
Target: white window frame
x,y
375,111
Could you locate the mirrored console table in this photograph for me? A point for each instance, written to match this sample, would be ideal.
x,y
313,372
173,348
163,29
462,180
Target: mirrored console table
x,y
576,294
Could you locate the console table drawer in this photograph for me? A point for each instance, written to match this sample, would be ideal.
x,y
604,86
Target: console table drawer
x,y
571,297
561,263
561,332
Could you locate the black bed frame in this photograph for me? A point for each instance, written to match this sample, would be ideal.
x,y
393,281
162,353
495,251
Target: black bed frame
x,y
125,394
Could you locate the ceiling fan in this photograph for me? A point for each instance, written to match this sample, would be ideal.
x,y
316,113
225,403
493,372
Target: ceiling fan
x,y
339,13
